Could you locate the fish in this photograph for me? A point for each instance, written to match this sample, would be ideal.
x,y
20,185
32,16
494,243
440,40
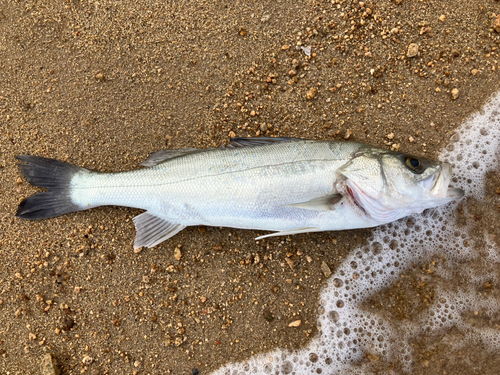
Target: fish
x,y
283,185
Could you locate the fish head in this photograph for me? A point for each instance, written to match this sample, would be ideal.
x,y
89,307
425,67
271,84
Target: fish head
x,y
388,185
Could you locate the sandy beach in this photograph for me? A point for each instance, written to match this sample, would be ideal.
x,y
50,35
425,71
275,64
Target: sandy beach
x,y
103,84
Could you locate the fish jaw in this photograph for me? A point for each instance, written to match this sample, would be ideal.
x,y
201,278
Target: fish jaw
x,y
438,185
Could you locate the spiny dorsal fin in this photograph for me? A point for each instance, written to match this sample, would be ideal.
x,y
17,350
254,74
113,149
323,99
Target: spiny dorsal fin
x,y
153,229
160,156
325,203
259,141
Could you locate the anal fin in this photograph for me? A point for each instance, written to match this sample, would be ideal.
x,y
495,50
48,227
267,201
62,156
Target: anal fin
x,y
325,203
290,232
153,229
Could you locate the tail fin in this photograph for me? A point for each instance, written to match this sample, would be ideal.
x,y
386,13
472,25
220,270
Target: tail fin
x,y
54,175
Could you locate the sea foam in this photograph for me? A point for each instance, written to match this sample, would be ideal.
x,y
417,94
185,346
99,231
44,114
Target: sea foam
x,y
349,333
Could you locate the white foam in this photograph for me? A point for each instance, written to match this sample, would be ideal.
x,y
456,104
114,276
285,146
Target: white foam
x,y
347,333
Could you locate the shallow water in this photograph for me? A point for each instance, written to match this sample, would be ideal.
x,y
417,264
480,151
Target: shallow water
x,y
416,282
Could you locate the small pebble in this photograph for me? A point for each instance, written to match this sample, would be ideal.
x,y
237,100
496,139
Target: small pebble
x,y
424,30
326,270
348,134
474,72
311,94
390,136
87,360
265,18
496,24
295,323
177,253
99,77
412,50
442,18
395,146
454,93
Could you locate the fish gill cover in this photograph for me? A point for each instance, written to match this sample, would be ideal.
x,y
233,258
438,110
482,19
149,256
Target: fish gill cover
x,y
363,322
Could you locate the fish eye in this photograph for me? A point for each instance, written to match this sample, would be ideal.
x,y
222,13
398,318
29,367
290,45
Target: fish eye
x,y
413,163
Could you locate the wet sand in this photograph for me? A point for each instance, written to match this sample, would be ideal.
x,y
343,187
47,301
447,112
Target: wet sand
x,y
104,84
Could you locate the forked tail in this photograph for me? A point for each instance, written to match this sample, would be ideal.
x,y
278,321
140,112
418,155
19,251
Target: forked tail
x,y
54,175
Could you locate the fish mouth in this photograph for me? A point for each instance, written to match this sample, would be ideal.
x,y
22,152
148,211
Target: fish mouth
x,y
438,184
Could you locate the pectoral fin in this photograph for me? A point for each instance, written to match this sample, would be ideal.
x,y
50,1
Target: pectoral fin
x,y
325,203
290,232
153,229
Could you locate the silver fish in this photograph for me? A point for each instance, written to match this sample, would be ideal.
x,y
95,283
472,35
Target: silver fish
x,y
285,185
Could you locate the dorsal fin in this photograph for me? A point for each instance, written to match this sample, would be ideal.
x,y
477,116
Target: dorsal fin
x,y
259,141
160,156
